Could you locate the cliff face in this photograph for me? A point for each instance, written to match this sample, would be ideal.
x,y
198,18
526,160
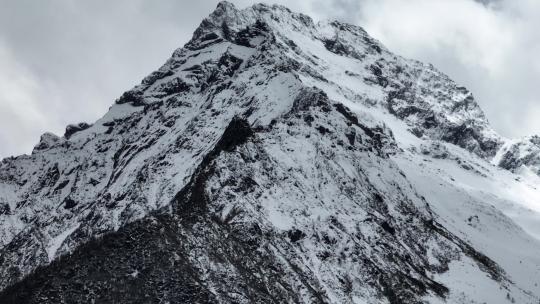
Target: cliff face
x,y
272,160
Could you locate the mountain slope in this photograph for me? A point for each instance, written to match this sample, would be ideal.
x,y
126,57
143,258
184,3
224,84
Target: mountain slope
x,y
270,160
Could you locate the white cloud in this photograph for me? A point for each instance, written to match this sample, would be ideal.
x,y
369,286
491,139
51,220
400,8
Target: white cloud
x,y
67,61
20,107
476,35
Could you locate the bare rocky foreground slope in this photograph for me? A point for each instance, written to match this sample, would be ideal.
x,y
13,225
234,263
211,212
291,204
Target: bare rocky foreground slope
x,y
276,160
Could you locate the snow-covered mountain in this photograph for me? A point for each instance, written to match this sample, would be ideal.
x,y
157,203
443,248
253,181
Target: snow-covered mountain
x,y
520,156
273,159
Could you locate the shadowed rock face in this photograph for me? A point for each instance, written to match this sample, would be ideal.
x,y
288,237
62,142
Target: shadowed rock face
x,y
72,129
248,169
521,154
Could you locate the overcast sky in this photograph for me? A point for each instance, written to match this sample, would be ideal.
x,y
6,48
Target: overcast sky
x,y
66,61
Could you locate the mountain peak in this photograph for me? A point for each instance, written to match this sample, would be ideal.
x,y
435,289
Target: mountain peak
x,y
223,9
272,159
227,18
225,5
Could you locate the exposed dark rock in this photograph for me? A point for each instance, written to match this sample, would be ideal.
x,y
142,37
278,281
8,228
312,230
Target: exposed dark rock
x,y
134,97
72,129
388,228
323,130
509,160
4,209
209,36
155,76
244,36
133,265
486,264
51,177
47,140
237,132
336,47
175,86
61,185
295,235
192,201
69,203
351,137
377,72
